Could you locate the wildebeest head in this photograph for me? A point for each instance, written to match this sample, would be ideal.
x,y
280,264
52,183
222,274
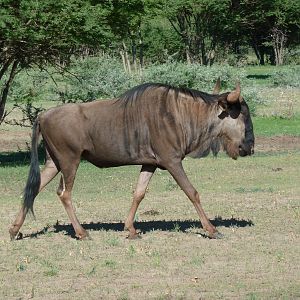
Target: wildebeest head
x,y
236,132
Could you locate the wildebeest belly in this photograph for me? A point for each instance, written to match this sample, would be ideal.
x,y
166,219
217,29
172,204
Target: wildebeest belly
x,y
113,158
113,147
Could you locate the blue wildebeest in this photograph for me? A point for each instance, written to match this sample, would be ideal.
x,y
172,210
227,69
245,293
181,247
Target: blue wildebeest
x,y
153,125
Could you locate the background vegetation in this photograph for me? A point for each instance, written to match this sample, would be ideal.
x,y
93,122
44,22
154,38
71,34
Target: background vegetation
x,y
91,49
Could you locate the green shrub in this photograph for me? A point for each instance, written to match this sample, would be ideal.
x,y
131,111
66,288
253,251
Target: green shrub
x,y
104,77
292,56
193,75
94,78
34,85
287,77
253,98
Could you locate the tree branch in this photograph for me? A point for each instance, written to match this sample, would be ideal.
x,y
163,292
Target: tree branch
x,y
5,67
176,29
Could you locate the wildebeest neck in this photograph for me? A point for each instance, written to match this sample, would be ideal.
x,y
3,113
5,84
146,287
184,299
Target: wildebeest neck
x,y
174,118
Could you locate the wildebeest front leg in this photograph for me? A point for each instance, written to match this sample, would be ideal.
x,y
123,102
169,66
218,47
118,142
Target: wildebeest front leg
x,y
139,193
177,171
64,193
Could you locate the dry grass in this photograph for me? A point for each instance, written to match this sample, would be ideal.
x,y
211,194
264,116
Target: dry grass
x,y
282,102
256,199
253,201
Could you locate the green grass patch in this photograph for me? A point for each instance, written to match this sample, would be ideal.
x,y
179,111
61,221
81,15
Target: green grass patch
x,y
262,70
261,75
273,75
270,126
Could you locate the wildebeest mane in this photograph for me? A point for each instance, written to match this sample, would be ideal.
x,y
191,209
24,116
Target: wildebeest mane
x,y
134,94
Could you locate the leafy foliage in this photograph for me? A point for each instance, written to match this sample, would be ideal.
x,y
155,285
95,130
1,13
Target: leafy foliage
x,y
46,32
95,77
35,31
287,77
104,77
49,34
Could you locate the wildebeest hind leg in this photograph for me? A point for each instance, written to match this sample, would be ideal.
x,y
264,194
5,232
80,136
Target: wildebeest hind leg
x,y
64,192
139,193
179,175
48,173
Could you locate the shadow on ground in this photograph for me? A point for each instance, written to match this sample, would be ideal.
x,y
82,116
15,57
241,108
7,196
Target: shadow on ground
x,y
258,76
143,227
19,158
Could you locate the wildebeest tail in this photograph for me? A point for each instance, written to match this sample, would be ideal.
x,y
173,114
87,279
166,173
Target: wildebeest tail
x,y
34,178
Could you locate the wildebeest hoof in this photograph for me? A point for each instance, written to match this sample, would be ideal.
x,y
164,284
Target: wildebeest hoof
x,y
216,235
15,235
134,236
84,237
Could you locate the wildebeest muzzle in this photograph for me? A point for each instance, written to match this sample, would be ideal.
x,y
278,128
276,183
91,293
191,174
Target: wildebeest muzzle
x,y
246,149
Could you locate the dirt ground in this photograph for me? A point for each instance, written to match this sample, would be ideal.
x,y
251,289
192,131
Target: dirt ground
x,y
12,141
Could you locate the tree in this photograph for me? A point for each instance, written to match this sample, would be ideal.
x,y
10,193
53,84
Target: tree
x,y
286,28
270,25
125,20
200,24
35,32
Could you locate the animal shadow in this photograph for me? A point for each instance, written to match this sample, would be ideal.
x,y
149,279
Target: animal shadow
x,y
142,226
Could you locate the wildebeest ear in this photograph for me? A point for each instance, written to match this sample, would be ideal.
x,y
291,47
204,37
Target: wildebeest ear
x,y
234,110
229,109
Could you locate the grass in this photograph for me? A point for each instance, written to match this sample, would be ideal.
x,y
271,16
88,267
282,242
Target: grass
x,y
260,75
174,262
263,75
271,126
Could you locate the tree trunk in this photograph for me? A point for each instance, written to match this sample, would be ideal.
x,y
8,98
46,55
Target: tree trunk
x,y
278,39
123,60
127,61
133,50
5,66
5,89
188,55
261,51
141,45
258,51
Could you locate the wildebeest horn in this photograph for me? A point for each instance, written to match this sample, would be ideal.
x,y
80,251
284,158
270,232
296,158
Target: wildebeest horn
x,y
234,95
217,87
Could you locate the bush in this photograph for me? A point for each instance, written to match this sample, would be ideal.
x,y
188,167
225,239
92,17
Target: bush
x,y
253,99
193,76
98,77
33,85
292,56
94,78
287,77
